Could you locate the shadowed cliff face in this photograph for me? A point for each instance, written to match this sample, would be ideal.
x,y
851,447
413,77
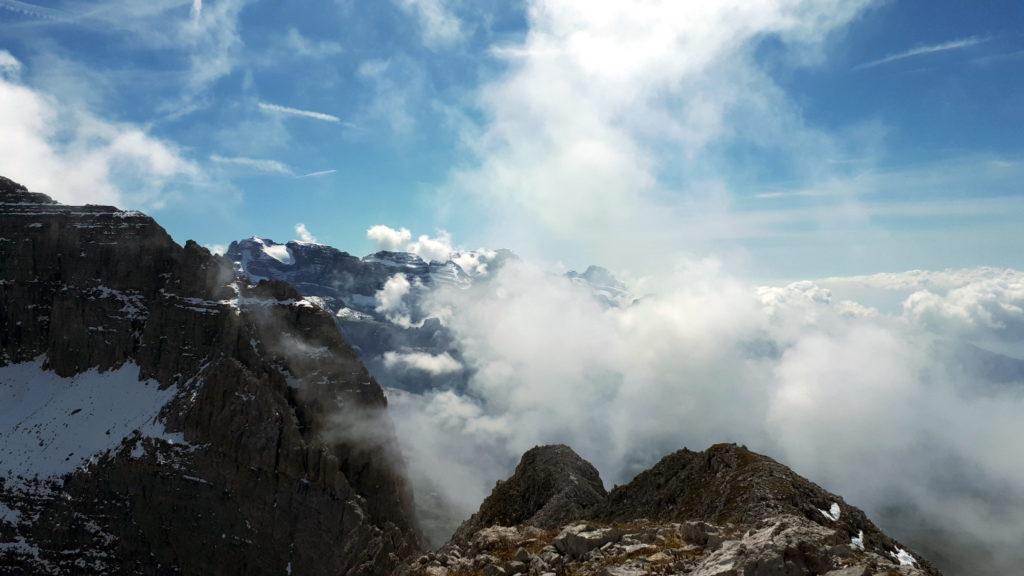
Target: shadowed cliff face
x,y
274,452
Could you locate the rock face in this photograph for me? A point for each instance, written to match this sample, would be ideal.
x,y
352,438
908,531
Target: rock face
x,y
723,512
272,453
551,485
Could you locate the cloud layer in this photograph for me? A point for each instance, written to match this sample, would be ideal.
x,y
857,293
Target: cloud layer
x,y
77,157
833,388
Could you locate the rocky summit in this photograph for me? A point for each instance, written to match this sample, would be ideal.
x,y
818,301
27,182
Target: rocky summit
x,y
159,416
726,511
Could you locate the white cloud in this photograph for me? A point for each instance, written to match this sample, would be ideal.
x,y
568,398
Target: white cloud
x,y
77,157
601,99
438,249
987,307
258,164
10,67
438,25
959,44
288,111
474,262
706,358
395,86
388,238
391,300
433,364
295,44
219,249
317,173
211,36
304,234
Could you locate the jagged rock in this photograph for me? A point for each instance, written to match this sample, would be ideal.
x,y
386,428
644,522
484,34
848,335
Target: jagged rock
x,y
288,460
550,486
577,541
723,512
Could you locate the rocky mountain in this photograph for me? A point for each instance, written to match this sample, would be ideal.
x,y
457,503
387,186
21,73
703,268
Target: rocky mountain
x,y
350,288
159,416
347,286
726,511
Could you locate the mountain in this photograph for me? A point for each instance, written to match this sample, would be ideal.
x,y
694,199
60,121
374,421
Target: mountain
x,y
726,511
604,285
347,286
159,416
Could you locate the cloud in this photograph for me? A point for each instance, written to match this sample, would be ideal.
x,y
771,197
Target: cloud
x,y
990,307
304,234
396,85
212,38
832,388
430,249
433,364
33,10
259,165
77,157
295,44
600,102
438,25
317,173
391,300
389,239
10,67
959,44
219,249
278,109
474,262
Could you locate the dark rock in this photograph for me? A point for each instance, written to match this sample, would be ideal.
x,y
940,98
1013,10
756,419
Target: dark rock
x,y
551,486
290,460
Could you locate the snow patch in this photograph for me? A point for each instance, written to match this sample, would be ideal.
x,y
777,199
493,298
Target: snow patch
x,y
52,425
858,541
904,558
832,513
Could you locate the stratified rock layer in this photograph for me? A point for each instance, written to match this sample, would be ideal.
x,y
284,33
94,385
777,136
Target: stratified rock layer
x,y
289,462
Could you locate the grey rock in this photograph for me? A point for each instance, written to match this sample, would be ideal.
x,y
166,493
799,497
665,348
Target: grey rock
x,y
267,479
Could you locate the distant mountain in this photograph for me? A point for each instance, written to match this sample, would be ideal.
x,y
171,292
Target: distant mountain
x,y
159,417
347,286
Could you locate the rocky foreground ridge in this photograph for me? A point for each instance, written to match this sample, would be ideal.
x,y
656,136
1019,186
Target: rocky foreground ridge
x,y
269,452
723,512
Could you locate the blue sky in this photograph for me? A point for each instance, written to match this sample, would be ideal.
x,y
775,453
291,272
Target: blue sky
x,y
803,139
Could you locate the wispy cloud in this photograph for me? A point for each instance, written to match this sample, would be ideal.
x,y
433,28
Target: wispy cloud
x,y
257,164
315,174
278,109
925,50
32,10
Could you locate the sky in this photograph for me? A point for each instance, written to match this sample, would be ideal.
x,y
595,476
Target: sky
x,y
789,139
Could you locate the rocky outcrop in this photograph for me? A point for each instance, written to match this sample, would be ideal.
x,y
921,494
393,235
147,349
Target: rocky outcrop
x,y
723,512
274,453
551,485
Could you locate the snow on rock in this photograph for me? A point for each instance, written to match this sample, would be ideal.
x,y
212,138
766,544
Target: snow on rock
x,y
8,515
858,541
832,513
52,425
903,557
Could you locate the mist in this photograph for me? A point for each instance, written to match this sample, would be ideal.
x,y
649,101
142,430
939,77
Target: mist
x,y
877,407
606,139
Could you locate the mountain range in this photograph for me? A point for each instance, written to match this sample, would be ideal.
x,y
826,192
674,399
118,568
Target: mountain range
x,y
165,410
